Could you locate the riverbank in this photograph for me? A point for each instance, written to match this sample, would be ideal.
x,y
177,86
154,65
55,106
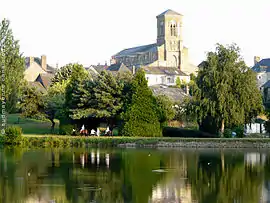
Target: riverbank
x,y
133,142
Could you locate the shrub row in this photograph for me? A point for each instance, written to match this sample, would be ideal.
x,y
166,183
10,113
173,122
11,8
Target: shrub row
x,y
179,132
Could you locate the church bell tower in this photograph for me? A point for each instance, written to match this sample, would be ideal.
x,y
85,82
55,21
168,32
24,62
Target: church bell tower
x,y
169,34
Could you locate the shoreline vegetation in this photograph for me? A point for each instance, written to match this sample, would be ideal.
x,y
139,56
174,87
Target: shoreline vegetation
x,y
136,142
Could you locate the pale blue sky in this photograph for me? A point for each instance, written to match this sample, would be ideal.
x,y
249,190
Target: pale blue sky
x,y
90,32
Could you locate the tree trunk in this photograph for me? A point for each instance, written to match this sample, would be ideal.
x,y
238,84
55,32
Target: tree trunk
x,y
222,127
53,124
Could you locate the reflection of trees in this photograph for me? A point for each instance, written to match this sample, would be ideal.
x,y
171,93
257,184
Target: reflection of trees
x,y
237,182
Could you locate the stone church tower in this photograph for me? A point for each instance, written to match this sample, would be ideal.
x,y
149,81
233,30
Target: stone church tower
x,y
169,34
168,52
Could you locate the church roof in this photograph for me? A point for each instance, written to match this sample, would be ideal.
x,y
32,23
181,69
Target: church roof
x,y
262,65
137,50
169,12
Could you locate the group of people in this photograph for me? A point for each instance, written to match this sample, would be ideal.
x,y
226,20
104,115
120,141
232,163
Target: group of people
x,y
84,131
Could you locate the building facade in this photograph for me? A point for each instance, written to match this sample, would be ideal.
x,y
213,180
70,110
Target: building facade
x,y
168,51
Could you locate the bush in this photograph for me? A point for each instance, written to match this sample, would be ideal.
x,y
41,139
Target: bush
x,y
267,126
65,129
13,134
179,132
239,131
227,133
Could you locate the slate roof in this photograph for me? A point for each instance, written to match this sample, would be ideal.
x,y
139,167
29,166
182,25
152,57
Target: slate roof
x,y
176,94
169,12
262,65
117,66
50,69
163,71
99,68
137,50
267,84
45,79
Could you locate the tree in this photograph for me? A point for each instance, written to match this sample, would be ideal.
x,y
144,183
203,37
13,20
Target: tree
x,y
101,98
141,118
12,66
178,82
31,102
225,93
165,108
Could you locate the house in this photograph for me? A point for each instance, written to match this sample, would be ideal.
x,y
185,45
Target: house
x,y
164,76
36,66
168,51
175,94
95,70
262,68
117,68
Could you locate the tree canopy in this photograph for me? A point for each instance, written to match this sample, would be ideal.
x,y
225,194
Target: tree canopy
x,y
12,66
141,117
225,93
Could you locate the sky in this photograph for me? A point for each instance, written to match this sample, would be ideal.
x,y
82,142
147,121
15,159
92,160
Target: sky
x,y
90,32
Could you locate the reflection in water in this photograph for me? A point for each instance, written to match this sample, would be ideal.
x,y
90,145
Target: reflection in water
x,y
98,175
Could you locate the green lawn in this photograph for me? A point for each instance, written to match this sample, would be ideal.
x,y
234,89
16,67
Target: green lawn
x,y
32,126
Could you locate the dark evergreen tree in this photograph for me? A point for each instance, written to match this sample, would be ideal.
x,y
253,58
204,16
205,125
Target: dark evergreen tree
x,y
141,117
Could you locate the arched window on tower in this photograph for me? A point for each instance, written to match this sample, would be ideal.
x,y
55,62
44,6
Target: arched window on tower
x,y
171,30
174,30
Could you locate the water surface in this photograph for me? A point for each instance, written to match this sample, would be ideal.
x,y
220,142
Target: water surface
x,y
134,175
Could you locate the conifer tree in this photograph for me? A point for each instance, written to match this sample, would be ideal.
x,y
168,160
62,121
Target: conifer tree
x,y
141,117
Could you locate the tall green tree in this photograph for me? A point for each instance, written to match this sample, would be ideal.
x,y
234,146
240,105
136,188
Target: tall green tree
x,y
101,98
166,110
141,117
225,93
12,66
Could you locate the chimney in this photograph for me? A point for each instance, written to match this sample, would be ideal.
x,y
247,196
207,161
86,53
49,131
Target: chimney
x,y
44,62
133,70
112,61
31,60
256,59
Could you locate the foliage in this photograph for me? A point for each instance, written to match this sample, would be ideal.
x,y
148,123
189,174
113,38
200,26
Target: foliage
x,y
165,109
141,118
101,98
225,93
179,132
239,130
13,134
267,126
178,82
227,133
31,102
65,129
14,65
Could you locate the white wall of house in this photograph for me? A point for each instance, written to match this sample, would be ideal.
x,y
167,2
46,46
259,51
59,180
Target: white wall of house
x,y
254,128
160,79
262,78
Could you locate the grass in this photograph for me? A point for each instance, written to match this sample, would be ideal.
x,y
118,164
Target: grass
x,y
78,141
32,126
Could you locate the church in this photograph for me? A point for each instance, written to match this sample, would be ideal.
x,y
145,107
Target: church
x,y
167,54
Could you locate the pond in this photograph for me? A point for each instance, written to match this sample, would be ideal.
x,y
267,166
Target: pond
x,y
134,175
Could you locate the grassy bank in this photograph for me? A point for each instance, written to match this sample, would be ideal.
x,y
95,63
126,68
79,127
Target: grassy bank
x,y
31,126
70,141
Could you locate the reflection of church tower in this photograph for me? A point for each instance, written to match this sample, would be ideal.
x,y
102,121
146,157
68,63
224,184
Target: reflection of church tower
x,y
169,33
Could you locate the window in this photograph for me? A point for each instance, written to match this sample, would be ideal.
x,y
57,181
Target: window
x,y
171,30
